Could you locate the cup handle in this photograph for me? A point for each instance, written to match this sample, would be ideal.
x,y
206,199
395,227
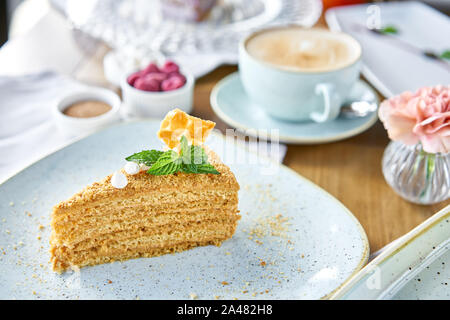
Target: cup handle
x,y
331,103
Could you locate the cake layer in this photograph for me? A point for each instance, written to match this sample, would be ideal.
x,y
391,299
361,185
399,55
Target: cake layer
x,y
136,244
82,260
150,245
72,233
153,203
160,240
151,235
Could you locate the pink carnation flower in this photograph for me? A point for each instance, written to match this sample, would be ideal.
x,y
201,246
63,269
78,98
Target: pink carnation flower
x,y
423,116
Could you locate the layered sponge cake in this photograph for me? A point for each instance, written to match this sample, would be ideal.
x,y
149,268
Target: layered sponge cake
x,y
153,214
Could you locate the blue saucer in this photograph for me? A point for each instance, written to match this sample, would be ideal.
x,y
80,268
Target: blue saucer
x,y
230,102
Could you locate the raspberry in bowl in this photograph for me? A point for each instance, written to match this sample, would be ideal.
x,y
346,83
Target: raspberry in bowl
x,y
155,90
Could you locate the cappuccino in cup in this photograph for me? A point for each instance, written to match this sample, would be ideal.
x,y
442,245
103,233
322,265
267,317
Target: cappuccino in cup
x,y
298,49
299,74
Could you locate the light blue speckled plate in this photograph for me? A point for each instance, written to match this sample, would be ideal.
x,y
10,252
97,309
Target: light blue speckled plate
x,y
308,252
414,267
232,105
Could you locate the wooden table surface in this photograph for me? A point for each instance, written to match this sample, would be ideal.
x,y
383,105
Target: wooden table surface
x,y
350,170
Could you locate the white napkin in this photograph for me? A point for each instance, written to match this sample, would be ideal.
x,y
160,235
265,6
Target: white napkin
x,y
201,64
27,130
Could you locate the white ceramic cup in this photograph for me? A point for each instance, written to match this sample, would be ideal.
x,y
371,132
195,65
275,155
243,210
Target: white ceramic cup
x,y
147,104
296,95
72,126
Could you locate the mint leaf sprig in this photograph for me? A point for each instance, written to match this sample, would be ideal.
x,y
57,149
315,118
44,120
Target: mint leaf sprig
x,y
191,159
147,157
445,55
389,29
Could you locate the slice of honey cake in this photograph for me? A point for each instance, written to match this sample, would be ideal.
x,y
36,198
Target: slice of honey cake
x,y
160,202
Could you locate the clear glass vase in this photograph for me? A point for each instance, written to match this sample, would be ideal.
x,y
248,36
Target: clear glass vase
x,y
416,175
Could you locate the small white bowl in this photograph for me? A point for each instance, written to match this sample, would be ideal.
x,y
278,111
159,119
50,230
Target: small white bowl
x,y
149,104
72,126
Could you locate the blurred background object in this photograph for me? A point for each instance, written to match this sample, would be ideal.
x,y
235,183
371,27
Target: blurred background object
x,y
137,24
19,16
336,3
188,10
3,22
155,27
441,5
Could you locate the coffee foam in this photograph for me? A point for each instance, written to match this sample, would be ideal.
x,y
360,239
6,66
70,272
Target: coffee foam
x,y
298,49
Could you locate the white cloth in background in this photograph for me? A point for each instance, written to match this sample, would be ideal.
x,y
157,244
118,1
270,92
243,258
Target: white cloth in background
x,y
202,64
27,130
